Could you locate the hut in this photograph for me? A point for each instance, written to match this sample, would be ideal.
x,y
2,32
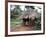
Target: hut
x,y
28,16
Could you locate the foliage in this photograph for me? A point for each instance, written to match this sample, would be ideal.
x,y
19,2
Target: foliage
x,y
16,11
38,23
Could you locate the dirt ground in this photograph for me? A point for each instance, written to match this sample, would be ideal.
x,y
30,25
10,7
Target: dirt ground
x,y
22,28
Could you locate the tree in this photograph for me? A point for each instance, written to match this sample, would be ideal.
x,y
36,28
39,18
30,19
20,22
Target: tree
x,y
16,11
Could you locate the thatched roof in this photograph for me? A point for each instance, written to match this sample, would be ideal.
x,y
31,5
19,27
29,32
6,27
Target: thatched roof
x,y
30,13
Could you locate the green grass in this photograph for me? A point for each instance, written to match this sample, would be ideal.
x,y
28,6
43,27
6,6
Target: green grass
x,y
14,22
